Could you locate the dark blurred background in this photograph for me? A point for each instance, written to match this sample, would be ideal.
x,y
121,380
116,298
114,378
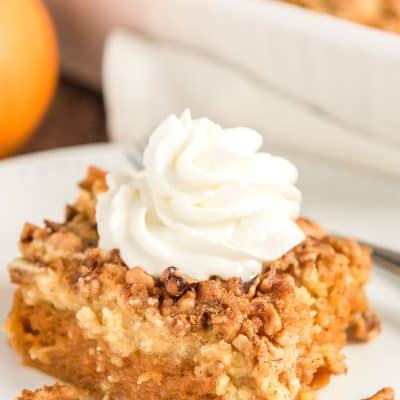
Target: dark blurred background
x,y
76,116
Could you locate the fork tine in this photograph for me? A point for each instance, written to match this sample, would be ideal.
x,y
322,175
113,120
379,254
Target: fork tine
x,y
134,156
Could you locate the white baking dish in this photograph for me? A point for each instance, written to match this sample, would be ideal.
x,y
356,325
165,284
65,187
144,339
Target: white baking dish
x,y
349,71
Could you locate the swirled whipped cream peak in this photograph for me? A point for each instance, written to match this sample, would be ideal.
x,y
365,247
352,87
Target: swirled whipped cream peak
x,y
207,201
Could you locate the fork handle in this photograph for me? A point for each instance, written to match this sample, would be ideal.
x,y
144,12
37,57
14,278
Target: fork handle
x,y
389,259
387,254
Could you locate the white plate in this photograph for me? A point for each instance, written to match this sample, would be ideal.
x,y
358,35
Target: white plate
x,y
37,186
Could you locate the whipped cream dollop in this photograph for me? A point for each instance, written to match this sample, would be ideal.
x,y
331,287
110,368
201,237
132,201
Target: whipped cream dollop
x,y
206,202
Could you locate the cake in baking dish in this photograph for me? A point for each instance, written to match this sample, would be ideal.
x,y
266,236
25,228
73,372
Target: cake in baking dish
x,y
381,14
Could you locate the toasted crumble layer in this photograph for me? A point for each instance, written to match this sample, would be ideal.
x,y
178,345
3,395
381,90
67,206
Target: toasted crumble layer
x,y
83,316
62,392
381,14
56,392
386,393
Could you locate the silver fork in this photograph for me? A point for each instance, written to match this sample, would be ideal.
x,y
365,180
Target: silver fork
x,y
134,154
386,258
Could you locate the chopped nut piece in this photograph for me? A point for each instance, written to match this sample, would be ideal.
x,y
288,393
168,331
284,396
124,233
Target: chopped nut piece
x,y
52,226
209,292
365,327
243,344
137,275
187,302
22,271
271,322
321,378
251,287
28,232
175,283
64,243
267,281
311,228
70,213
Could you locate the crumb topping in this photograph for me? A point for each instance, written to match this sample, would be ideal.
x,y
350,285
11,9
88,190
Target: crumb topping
x,y
280,333
56,392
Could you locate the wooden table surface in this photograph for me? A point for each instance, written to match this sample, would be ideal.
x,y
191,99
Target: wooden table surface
x,y
76,116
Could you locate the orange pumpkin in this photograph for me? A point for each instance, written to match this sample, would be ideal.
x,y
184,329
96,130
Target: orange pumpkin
x,y
28,69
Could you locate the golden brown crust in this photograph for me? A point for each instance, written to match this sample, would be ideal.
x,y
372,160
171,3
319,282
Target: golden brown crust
x,y
61,392
365,326
283,331
56,392
381,14
386,393
66,347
